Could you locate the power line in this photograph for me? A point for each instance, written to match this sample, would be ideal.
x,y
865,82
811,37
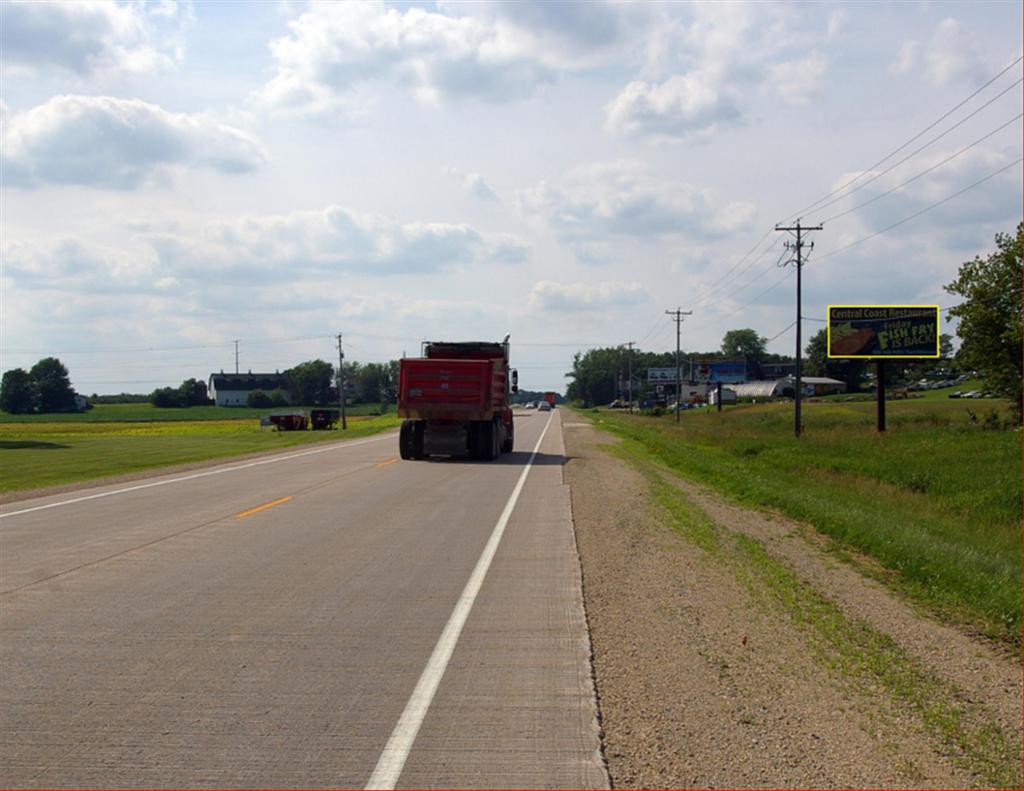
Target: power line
x,y
780,334
924,210
914,153
895,151
923,172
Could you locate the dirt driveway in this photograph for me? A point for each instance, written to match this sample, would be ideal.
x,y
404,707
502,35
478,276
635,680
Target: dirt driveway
x,y
734,649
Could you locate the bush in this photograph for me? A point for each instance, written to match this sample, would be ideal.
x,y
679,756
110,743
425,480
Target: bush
x,y
259,399
165,397
278,397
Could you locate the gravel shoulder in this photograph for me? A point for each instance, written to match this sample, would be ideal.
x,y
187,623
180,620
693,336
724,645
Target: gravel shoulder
x,y
705,680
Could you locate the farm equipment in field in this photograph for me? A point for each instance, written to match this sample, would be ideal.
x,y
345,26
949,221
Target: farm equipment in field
x,y
324,419
289,421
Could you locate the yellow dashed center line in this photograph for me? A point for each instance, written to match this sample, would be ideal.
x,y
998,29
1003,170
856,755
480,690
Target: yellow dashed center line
x,y
386,463
263,507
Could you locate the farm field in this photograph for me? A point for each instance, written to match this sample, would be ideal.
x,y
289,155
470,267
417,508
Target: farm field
x,y
932,507
36,453
105,413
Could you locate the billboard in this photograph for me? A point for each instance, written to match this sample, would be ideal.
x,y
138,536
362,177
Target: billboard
x,y
867,332
725,371
663,375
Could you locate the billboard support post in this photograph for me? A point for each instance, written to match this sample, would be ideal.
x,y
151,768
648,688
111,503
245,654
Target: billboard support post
x,y
880,380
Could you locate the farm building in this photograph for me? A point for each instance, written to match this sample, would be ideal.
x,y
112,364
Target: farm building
x,y
233,389
812,385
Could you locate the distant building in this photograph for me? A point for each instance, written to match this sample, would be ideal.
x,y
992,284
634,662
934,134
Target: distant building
x,y
776,370
785,388
81,403
233,389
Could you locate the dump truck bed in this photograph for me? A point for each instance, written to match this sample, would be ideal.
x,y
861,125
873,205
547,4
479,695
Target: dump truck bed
x,y
448,389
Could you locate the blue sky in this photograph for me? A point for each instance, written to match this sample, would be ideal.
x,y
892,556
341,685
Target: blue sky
x,y
180,175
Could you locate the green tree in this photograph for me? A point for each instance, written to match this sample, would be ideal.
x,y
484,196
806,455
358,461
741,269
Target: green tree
x,y
817,363
309,383
259,399
16,392
193,393
744,343
165,397
278,397
51,387
991,315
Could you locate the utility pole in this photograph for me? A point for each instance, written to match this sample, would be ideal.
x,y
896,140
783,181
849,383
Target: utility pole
x,y
629,360
236,356
798,246
341,383
677,316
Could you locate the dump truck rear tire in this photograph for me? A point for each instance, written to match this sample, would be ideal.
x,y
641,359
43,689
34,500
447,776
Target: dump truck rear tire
x,y
405,440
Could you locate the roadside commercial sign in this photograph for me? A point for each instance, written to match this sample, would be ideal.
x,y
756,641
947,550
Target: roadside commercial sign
x,y
877,332
725,371
661,375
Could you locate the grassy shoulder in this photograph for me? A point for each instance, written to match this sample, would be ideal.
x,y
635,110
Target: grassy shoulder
x,y
857,652
38,454
935,500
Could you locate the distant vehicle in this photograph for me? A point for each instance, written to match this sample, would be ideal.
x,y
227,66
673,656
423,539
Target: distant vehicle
x,y
544,406
530,405
551,397
957,394
455,401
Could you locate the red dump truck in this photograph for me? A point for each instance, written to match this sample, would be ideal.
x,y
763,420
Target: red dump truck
x,y
455,401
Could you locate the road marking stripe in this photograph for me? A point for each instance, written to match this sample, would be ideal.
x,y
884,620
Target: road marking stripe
x,y
263,507
396,751
334,446
386,463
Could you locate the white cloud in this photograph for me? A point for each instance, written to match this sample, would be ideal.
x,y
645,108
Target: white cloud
x,y
951,55
84,37
706,64
682,105
473,183
547,296
626,199
799,81
334,239
117,143
335,49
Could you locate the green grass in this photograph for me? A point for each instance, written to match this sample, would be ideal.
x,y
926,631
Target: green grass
x,y
36,454
847,645
936,500
104,413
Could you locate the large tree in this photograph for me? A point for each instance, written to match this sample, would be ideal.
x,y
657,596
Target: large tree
x,y
990,316
744,343
16,391
51,386
309,383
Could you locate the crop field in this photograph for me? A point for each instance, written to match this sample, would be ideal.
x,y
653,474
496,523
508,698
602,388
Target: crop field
x,y
35,454
931,507
105,413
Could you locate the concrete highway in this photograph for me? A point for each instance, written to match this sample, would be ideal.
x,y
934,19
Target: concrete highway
x,y
329,617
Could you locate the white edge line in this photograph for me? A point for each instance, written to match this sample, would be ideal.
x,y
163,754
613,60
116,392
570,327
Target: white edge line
x,y
218,471
396,751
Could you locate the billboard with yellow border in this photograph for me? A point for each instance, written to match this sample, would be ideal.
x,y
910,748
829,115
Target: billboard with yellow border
x,y
889,332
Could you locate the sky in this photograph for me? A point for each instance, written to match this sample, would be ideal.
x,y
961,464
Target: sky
x,y
176,177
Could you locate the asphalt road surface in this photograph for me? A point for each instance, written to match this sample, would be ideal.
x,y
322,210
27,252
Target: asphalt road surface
x,y
330,617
